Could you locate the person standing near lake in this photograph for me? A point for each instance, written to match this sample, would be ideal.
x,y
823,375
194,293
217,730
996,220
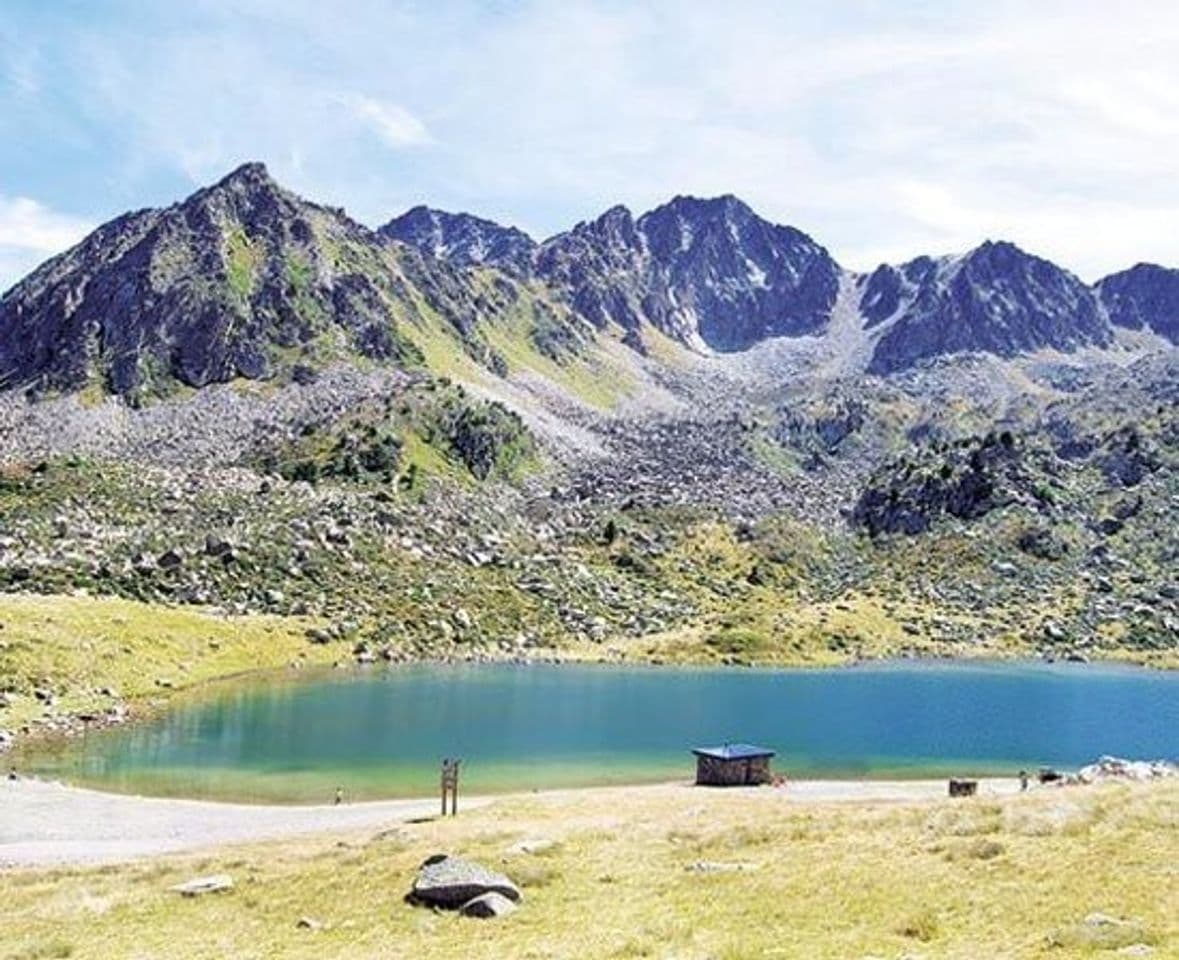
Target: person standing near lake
x,y
1023,781
339,795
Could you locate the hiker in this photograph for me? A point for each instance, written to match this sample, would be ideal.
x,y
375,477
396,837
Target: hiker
x,y
1023,781
339,795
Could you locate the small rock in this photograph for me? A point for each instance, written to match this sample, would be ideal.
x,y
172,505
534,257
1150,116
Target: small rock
x,y
488,906
712,866
532,846
199,886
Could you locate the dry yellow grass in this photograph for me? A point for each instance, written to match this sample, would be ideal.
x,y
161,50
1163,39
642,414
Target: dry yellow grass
x,y
980,878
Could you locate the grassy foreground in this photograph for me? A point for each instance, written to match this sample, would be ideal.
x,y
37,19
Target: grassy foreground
x,y
662,872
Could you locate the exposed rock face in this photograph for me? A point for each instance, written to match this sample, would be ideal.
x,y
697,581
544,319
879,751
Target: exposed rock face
x,y
996,299
967,483
735,277
1144,297
463,239
451,882
707,272
204,291
242,279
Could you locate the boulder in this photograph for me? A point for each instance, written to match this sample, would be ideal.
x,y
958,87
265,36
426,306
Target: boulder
x,y
488,906
199,886
450,882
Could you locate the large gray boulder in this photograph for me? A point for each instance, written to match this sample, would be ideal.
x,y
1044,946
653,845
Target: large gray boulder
x,y
450,882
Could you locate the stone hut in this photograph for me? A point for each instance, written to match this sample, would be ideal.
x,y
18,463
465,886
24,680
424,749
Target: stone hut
x,y
733,765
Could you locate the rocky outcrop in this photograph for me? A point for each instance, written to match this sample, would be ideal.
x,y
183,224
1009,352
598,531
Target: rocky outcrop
x,y
966,481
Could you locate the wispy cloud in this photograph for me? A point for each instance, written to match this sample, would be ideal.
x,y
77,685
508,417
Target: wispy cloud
x,y
395,125
26,224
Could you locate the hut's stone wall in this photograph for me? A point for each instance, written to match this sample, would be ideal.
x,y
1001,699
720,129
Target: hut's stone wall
x,y
715,772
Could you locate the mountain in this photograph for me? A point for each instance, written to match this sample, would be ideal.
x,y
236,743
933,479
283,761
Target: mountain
x,y
246,279
242,279
214,287
995,299
1144,297
463,239
454,455
735,277
708,272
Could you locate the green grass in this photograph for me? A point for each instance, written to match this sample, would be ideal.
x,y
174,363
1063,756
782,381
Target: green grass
x,y
78,646
242,261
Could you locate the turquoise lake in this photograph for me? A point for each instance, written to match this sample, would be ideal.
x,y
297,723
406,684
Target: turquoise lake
x,y
383,733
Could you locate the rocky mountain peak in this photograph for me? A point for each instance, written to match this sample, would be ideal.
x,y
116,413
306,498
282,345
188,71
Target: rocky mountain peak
x,y
217,286
995,299
463,239
1145,297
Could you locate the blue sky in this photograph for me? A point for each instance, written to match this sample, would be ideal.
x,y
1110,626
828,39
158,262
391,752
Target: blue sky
x,y
885,129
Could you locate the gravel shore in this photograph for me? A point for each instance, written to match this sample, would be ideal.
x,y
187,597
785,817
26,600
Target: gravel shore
x,y
47,824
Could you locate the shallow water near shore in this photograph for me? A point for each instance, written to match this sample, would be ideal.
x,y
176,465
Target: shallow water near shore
x,y
382,733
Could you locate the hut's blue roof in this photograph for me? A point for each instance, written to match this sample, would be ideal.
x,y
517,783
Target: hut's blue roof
x,y
733,751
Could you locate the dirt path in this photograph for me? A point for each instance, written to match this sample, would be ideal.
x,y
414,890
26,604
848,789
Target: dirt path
x,y
43,824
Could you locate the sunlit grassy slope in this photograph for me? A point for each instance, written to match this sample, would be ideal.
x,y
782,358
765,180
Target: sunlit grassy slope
x,y
77,647
670,872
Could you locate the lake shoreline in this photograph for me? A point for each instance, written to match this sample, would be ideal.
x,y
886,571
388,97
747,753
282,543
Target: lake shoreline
x,y
46,824
61,728
309,777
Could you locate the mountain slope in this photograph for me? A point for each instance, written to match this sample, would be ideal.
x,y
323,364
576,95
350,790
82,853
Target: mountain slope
x,y
1144,297
996,299
246,279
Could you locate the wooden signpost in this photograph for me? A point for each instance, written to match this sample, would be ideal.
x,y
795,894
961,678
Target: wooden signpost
x,y
450,775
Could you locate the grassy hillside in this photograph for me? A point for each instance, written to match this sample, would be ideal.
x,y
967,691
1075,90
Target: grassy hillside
x,y
91,653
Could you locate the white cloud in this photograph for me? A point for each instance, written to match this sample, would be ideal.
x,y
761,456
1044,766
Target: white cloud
x,y
395,125
881,129
30,233
24,223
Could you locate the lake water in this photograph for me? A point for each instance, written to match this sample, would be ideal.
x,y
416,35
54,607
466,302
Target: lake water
x,y
383,733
